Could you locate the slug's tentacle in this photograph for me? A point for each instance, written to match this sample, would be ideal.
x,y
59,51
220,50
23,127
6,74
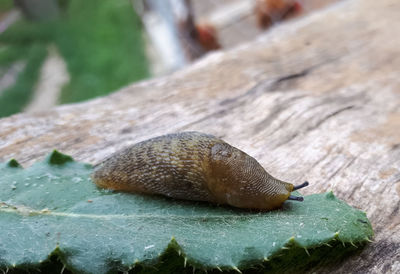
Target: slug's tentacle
x,y
301,186
295,198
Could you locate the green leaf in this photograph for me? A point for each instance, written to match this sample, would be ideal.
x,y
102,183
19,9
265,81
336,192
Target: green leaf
x,y
52,216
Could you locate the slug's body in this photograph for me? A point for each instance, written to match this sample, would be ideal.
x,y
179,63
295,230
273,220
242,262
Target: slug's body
x,y
193,166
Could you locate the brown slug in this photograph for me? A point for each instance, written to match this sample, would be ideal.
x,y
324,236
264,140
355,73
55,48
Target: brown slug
x,y
194,166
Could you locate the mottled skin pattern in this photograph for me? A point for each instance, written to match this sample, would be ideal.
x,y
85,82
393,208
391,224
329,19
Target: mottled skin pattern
x,y
192,166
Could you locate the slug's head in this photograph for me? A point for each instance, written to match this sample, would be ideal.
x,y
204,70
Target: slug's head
x,y
239,180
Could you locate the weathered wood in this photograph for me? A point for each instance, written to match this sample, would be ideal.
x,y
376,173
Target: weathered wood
x,y
316,99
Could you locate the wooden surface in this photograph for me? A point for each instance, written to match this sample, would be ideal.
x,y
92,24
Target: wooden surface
x,y
317,98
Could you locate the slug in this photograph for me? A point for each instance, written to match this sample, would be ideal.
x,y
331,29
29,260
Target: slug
x,y
194,166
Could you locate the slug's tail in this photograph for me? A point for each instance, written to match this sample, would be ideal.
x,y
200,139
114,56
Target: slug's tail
x,y
295,198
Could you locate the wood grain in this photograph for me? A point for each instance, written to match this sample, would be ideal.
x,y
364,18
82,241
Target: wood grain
x,y
316,98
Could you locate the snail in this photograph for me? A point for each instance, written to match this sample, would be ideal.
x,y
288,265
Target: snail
x,y
194,166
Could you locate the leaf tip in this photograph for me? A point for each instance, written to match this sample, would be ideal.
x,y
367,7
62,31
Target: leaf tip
x,y
14,164
336,235
173,244
58,158
329,195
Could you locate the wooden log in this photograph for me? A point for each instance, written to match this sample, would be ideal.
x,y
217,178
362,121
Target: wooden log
x,y
316,98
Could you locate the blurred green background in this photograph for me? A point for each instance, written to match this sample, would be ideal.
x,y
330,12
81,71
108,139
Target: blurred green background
x,y
101,43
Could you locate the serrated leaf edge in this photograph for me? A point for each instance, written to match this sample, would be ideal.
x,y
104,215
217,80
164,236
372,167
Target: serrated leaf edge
x,y
189,262
14,164
58,158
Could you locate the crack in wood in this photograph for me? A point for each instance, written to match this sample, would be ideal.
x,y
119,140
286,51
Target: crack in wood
x,y
342,167
231,103
318,161
395,211
395,146
288,78
319,123
327,117
355,188
288,140
256,89
274,113
215,114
